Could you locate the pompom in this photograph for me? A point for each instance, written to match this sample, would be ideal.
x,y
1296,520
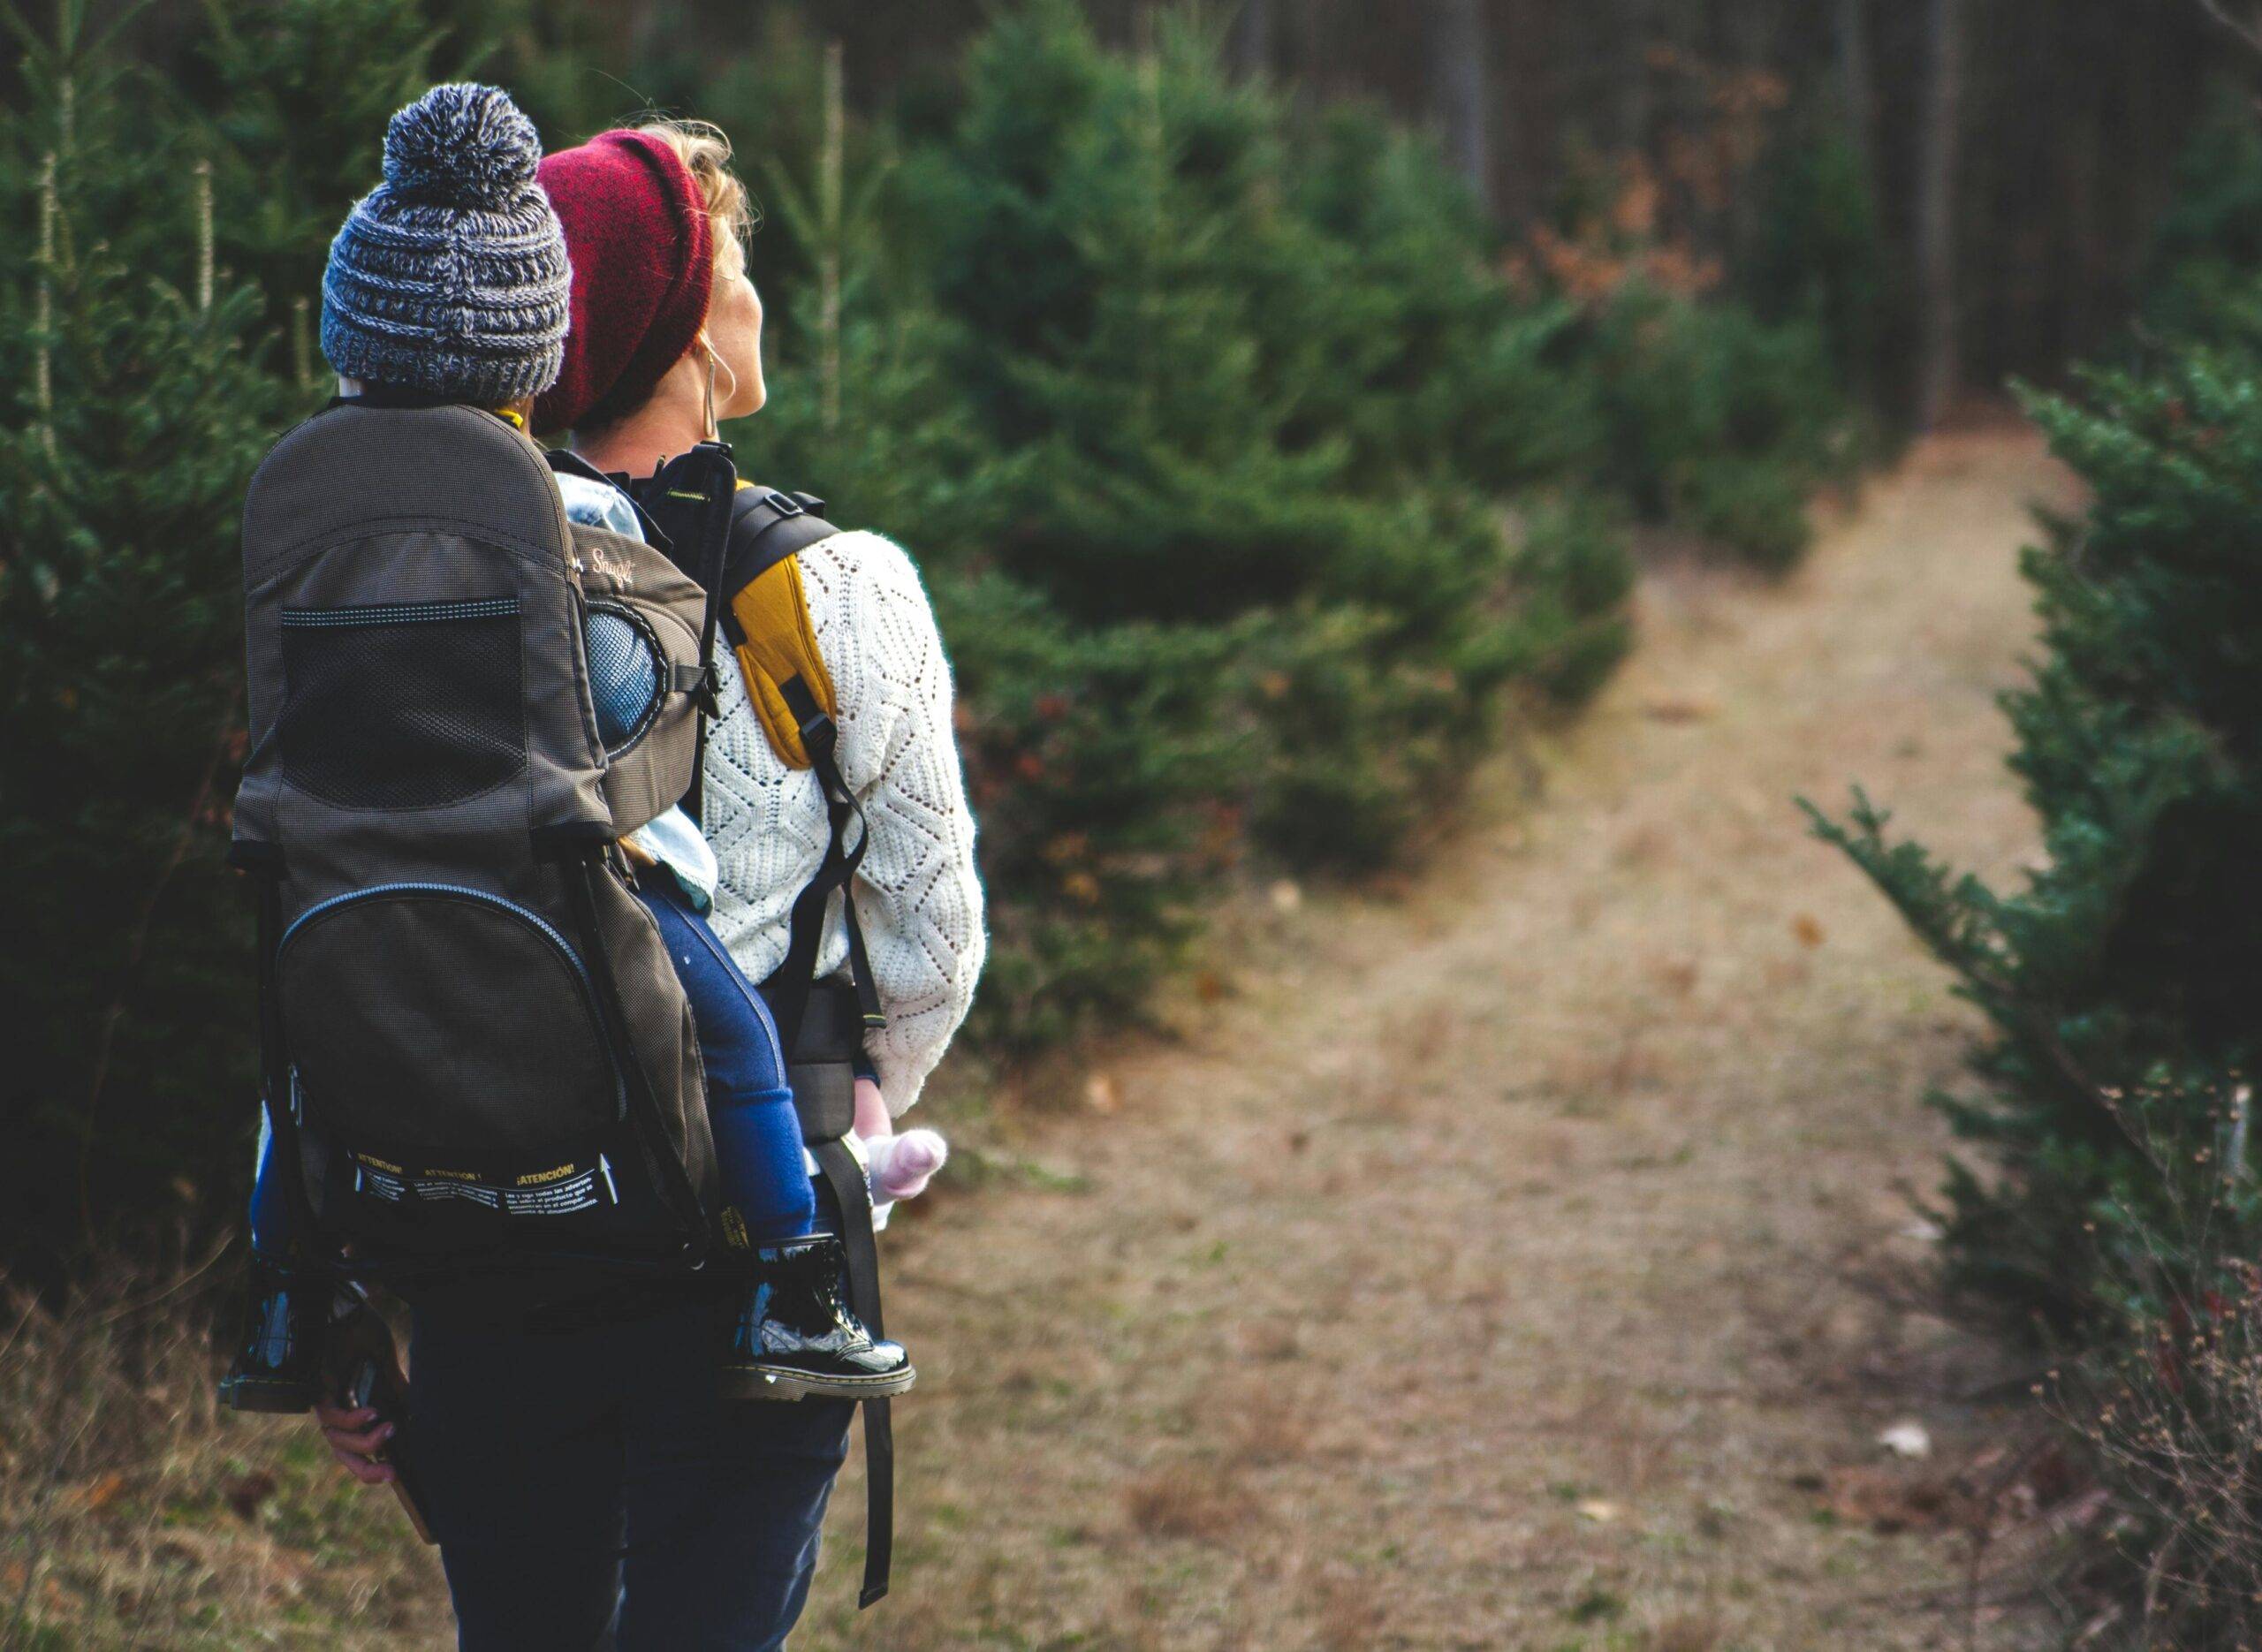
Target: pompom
x,y
461,144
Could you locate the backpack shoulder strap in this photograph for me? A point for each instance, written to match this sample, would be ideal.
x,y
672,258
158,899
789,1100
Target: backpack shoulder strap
x,y
792,692
767,616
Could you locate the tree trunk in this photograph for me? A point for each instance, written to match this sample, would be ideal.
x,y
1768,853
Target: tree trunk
x,y
1459,83
1936,160
1249,46
1636,34
1854,91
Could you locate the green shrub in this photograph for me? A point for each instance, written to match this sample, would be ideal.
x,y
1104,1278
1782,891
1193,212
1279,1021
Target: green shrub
x,y
1822,257
1400,333
1716,421
135,409
1217,402
2119,1203
2140,744
2200,280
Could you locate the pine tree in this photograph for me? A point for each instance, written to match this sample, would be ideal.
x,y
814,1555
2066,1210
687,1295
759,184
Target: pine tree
x,y
137,408
1197,426
2121,980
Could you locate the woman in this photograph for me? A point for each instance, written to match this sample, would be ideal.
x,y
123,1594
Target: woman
x,y
588,1472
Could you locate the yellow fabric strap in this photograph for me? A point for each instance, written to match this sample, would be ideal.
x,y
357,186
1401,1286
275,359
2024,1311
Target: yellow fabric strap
x,y
773,611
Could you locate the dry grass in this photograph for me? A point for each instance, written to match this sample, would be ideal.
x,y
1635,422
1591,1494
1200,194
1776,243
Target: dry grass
x,y
133,1515
1194,1500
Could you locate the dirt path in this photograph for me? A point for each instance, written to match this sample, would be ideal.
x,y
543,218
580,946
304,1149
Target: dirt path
x,y
1501,1268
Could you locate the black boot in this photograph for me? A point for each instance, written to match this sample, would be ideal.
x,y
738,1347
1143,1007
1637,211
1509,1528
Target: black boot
x,y
796,1335
279,1358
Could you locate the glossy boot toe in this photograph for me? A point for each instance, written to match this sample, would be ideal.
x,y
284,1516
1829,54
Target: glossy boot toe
x,y
796,1336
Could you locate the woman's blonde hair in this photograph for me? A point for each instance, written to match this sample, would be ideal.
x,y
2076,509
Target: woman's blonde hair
x,y
730,209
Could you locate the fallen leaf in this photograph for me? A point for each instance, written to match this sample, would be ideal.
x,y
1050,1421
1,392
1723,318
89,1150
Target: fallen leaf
x,y
1287,895
1808,929
1907,1438
1099,1093
1678,711
1885,1500
1600,1513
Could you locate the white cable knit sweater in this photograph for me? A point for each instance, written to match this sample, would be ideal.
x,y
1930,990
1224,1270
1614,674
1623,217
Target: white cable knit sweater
x,y
916,891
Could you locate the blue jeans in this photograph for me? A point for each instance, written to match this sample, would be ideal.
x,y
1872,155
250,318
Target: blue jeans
x,y
593,1493
757,1135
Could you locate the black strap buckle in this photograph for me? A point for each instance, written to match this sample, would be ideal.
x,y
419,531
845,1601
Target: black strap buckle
x,y
783,503
818,735
702,682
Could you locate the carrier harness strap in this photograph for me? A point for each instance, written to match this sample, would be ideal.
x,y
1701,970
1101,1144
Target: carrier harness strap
x,y
692,500
846,1177
842,856
792,693
821,1065
789,990
754,592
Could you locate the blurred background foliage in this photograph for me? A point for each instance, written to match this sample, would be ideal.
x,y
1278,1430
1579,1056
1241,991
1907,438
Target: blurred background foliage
x,y
1271,416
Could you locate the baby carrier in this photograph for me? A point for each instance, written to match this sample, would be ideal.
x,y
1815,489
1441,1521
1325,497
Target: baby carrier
x,y
474,1049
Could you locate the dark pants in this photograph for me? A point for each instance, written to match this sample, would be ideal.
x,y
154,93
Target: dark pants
x,y
591,1491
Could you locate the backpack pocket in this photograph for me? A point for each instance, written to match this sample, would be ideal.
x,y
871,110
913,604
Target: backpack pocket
x,y
402,705
437,1022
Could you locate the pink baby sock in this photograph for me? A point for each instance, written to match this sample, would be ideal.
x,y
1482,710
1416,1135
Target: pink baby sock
x,y
902,1165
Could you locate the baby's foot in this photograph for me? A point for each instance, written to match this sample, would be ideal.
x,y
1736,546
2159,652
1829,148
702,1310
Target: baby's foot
x,y
796,1336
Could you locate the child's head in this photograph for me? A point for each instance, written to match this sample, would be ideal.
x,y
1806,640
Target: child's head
x,y
449,277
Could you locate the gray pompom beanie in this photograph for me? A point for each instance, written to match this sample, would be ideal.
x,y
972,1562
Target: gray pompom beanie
x,y
449,277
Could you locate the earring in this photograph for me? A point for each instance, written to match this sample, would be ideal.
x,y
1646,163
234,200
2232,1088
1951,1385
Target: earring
x,y
714,361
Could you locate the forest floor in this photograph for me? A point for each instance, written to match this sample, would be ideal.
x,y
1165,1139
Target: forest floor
x,y
1530,1257
1526,1254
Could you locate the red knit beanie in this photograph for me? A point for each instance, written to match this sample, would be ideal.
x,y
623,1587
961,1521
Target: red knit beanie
x,y
643,252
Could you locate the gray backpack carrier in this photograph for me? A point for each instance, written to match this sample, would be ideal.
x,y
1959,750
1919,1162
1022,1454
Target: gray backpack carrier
x,y
473,1037
473,1045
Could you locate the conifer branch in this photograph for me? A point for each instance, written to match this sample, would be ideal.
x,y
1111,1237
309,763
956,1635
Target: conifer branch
x,y
830,165
203,237
43,310
302,364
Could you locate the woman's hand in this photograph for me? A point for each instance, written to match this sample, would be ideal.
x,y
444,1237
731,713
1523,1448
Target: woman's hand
x,y
902,1165
356,1435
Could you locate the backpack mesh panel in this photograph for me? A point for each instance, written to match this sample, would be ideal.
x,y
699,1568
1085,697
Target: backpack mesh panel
x,y
624,675
402,706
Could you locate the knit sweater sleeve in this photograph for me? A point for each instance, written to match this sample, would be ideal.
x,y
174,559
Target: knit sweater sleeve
x,y
917,894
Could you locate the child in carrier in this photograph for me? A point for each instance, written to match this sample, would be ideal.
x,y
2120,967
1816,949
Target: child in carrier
x,y
794,1334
